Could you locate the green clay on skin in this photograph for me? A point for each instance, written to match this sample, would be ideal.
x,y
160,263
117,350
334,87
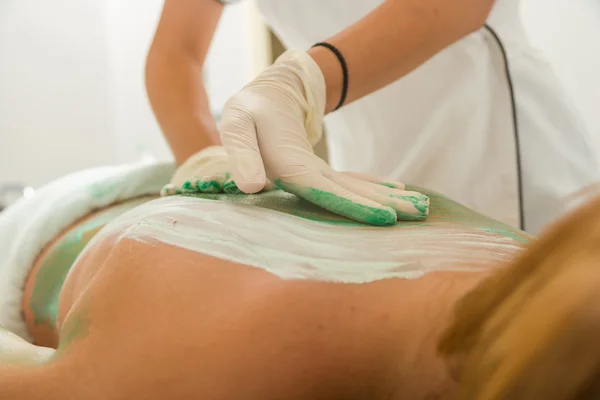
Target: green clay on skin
x,y
513,234
406,217
51,275
445,210
76,326
441,211
231,188
419,203
58,262
278,200
53,272
341,206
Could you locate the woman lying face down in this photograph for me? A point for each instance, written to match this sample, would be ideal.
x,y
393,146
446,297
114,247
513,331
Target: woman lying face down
x,y
267,297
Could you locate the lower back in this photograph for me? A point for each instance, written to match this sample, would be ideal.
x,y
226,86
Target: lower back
x,y
203,316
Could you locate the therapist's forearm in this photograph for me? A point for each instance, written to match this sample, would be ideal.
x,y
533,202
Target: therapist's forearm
x,y
179,101
393,40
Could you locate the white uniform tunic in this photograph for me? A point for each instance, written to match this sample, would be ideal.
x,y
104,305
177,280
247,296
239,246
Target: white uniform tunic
x,y
449,125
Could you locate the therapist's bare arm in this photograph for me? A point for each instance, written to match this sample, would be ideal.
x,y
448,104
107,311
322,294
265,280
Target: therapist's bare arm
x,y
174,75
394,39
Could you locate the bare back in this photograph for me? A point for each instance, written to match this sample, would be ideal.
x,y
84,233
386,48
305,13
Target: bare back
x,y
168,314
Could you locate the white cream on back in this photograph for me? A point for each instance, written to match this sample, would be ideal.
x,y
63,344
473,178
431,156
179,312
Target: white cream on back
x,y
292,247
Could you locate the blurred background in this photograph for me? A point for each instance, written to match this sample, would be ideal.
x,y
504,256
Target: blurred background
x,y
72,76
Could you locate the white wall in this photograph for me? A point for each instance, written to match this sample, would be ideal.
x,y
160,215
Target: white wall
x,y
128,37
54,92
72,86
132,24
568,32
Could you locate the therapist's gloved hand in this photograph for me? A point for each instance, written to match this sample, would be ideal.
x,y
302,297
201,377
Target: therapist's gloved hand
x,y
268,129
205,172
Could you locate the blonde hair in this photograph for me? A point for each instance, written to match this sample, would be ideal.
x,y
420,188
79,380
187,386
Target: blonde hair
x,y
531,331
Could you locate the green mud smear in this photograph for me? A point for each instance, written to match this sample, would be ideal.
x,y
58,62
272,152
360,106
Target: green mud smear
x,y
341,206
58,262
445,210
515,235
278,200
76,326
442,212
52,274
419,203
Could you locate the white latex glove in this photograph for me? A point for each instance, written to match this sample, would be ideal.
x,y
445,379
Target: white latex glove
x,y
269,128
204,172
207,172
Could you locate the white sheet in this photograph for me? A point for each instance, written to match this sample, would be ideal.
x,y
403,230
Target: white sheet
x,y
30,225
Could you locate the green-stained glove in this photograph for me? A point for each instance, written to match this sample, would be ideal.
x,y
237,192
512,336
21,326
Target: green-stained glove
x,y
204,172
269,128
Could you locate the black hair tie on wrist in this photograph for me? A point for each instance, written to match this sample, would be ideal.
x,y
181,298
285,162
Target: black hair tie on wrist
x,y
342,60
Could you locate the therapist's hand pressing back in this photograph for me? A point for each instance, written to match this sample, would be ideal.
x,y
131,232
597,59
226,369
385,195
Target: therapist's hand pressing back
x,y
268,129
269,126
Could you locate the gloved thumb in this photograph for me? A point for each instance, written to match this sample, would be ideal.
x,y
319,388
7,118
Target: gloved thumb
x,y
238,136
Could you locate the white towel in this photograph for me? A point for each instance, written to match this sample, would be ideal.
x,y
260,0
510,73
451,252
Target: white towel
x,y
28,226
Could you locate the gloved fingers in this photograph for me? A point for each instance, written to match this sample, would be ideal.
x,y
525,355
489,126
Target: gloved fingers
x,y
327,194
374,179
222,183
207,184
213,158
169,190
238,135
269,186
409,205
230,187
